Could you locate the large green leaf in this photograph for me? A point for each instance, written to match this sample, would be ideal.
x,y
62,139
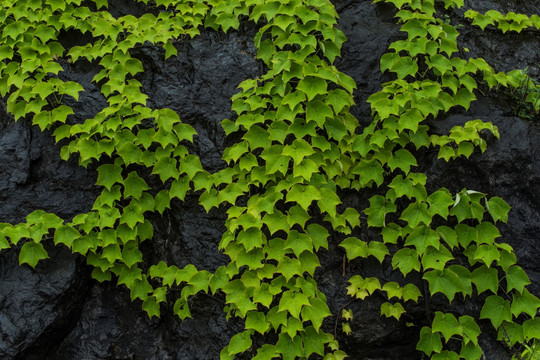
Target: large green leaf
x,y
429,342
446,282
312,86
497,310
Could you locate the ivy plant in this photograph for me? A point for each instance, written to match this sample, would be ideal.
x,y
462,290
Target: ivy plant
x,y
299,148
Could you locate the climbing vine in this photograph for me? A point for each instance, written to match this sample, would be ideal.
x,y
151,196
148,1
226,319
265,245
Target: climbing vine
x,y
300,147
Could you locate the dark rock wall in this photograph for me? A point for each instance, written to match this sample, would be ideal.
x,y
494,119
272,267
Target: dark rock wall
x,y
59,312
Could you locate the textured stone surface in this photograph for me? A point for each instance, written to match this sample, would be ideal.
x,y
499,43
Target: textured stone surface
x,y
59,312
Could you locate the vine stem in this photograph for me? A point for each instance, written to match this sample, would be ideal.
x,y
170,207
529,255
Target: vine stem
x,y
338,316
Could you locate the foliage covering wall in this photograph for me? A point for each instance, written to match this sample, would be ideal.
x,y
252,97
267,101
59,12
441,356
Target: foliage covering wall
x,y
298,150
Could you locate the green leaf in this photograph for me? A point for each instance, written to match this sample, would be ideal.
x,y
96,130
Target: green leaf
x,y
112,253
316,312
132,215
179,188
151,306
402,159
239,343
487,253
257,137
485,278
470,351
312,86
410,120
166,168
446,324
293,302
448,235
439,203
376,212
392,289
436,258
71,88
31,253
470,328
464,98
391,233
134,185
446,355
411,292
251,238
298,243
524,302
318,111
354,248
131,254
65,234
498,209
257,321
319,236
289,268
406,260
6,52
314,341
416,213
497,310
516,278
392,310
378,250
303,195
429,342
108,175
370,170
338,99
275,160
422,237
531,329
291,349
446,282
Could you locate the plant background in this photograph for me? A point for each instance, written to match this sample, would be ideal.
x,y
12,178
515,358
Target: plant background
x,y
59,312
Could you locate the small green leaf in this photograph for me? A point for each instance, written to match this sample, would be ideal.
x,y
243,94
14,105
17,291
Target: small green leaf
x,y
411,292
31,253
354,248
498,209
392,310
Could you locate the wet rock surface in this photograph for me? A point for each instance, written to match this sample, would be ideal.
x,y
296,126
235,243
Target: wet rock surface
x,y
59,312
